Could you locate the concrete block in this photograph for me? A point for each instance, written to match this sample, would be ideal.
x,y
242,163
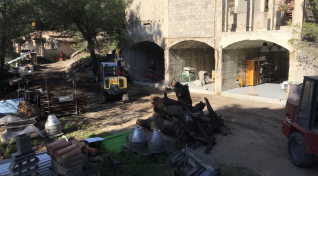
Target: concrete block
x,y
23,143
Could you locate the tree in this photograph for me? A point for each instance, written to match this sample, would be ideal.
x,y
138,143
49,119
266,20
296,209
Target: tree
x,y
16,17
305,38
98,22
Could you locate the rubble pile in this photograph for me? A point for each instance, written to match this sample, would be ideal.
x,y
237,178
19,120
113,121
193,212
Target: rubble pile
x,y
189,124
81,69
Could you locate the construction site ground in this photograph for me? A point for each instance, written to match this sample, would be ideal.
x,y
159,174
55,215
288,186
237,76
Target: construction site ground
x,y
255,147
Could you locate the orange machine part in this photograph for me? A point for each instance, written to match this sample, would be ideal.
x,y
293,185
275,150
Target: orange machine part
x,y
253,73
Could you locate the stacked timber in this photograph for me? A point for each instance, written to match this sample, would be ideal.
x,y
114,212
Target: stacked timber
x,y
189,124
28,110
54,106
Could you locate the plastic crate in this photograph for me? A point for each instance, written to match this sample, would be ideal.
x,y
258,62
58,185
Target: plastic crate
x,y
114,143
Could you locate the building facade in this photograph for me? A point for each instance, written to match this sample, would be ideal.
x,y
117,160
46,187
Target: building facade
x,y
216,35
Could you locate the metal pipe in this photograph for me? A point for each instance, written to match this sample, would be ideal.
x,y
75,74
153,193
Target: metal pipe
x,y
76,97
24,93
19,91
47,96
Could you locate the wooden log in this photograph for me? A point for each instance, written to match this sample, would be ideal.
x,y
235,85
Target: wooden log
x,y
173,111
198,107
196,145
170,102
156,122
183,94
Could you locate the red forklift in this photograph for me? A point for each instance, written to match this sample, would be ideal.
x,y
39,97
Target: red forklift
x,y
301,122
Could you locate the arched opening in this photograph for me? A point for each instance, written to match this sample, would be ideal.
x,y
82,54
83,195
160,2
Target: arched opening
x,y
255,63
140,57
193,54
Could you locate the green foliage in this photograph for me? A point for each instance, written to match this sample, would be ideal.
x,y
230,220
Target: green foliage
x,y
72,128
16,19
140,165
7,150
94,25
305,40
284,7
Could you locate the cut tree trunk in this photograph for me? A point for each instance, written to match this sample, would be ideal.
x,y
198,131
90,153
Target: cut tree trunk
x,y
2,57
173,111
183,94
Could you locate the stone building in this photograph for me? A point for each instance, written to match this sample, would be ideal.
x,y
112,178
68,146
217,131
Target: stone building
x,y
48,45
218,35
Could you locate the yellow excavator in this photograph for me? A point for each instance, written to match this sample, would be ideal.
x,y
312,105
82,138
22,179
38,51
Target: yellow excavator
x,y
112,83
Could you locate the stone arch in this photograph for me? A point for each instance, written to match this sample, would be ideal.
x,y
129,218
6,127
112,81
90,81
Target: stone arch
x,y
279,37
141,41
207,41
235,54
139,56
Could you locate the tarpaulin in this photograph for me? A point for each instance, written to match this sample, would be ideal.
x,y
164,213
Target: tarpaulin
x,y
10,106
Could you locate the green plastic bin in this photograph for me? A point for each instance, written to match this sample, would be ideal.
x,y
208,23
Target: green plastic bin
x,y
114,143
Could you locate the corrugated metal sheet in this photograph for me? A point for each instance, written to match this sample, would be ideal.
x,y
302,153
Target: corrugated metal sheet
x,y
44,164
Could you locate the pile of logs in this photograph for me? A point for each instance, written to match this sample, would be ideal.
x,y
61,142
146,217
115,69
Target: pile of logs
x,y
28,110
54,106
187,123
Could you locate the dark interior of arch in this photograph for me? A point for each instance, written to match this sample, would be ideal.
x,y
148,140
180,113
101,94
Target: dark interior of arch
x,y
192,54
140,55
235,54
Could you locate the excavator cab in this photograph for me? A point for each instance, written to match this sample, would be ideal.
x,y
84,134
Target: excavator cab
x,y
301,124
111,83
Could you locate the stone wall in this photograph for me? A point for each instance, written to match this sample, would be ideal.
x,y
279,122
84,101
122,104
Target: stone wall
x,y
191,18
201,59
145,21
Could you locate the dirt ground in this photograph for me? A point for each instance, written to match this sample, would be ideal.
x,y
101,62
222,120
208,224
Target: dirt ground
x,y
256,146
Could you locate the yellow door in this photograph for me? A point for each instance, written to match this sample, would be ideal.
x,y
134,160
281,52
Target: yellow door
x,y
250,73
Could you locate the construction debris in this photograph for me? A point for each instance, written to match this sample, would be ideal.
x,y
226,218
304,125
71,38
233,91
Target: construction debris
x,y
54,106
187,164
15,126
9,106
187,123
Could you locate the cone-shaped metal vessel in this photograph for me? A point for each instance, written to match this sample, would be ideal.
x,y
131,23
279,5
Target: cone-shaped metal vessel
x,y
53,125
137,140
137,136
156,142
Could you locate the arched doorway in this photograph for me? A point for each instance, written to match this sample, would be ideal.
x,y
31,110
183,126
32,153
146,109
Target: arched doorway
x,y
193,54
269,66
140,56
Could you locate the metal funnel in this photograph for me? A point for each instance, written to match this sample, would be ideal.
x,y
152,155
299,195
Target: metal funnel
x,y
52,121
156,142
53,126
137,140
137,136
